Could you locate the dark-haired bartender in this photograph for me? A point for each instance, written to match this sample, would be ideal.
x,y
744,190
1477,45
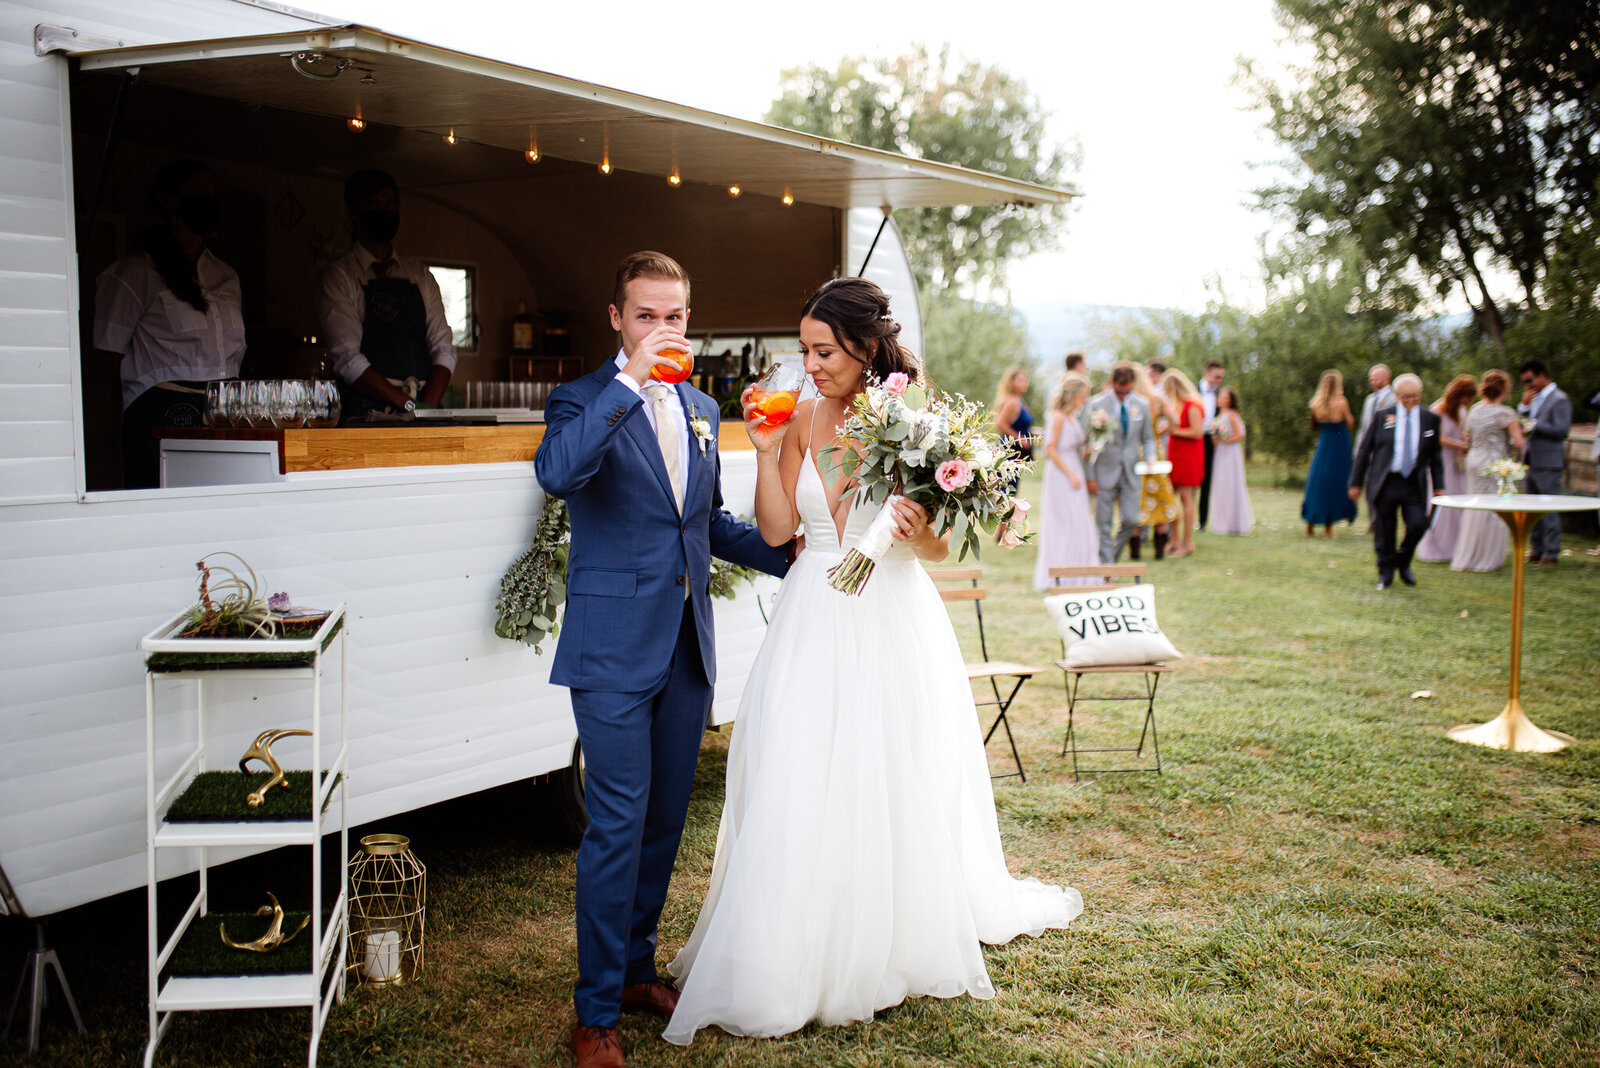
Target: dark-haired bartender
x,y
382,317
170,313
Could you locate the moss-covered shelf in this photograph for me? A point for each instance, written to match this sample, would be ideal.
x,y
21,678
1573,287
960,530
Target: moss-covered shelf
x,y
220,797
298,644
200,953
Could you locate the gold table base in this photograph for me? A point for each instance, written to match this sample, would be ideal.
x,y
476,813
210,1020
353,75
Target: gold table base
x,y
1511,729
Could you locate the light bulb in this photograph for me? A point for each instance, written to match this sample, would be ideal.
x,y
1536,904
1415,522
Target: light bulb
x,y
450,138
532,155
734,191
356,124
788,197
673,180
605,165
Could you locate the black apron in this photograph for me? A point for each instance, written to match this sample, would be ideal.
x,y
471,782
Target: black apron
x,y
394,339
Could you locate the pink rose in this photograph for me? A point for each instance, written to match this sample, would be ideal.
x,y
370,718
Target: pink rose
x,y
1007,537
1021,505
897,383
952,474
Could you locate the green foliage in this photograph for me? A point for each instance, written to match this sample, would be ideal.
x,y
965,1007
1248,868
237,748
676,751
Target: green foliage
x,y
536,584
931,107
969,344
1446,140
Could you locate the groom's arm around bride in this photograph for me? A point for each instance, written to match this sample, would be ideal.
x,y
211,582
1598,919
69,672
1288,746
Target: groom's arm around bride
x,y
636,462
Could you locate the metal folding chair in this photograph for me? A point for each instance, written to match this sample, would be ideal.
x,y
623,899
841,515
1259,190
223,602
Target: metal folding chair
x,y
992,671
1111,577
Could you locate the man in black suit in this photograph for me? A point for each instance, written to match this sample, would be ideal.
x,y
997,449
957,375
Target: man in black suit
x,y
1399,449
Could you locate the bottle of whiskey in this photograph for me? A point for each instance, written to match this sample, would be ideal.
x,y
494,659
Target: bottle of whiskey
x,y
522,330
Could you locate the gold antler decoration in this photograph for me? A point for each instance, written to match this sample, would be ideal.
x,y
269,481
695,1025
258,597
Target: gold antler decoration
x,y
274,936
262,751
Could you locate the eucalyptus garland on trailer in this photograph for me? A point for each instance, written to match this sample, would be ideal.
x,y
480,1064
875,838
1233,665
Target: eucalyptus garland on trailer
x,y
535,586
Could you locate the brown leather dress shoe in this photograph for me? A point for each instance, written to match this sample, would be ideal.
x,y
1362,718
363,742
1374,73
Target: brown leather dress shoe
x,y
596,1047
656,997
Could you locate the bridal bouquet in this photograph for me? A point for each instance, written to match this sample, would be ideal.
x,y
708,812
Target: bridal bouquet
x,y
1099,433
941,452
1220,428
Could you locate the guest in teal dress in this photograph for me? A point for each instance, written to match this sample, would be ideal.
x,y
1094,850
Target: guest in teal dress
x,y
1011,415
1327,499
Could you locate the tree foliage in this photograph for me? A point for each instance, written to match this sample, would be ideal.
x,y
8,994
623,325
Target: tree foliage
x,y
1452,142
970,344
929,106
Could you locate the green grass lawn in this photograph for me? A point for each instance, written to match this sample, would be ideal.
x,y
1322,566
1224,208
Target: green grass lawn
x,y
1319,877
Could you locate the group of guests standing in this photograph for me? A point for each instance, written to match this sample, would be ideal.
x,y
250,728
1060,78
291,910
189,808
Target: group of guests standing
x,y
1402,459
1107,477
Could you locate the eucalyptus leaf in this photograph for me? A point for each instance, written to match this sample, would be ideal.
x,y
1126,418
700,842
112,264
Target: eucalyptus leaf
x,y
914,396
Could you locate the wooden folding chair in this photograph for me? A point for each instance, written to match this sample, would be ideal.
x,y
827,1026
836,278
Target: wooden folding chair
x,y
1112,577
992,671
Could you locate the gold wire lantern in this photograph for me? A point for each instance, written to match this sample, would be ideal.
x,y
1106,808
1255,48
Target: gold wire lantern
x,y
388,901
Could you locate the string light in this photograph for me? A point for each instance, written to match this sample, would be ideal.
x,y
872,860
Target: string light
x,y
673,180
788,197
532,155
450,138
734,191
356,124
605,151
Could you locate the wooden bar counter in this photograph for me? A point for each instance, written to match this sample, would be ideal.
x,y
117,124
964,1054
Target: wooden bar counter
x,y
405,445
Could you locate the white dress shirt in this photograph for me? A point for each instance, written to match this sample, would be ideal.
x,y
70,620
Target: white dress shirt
x,y
1208,399
675,410
1407,421
162,338
342,311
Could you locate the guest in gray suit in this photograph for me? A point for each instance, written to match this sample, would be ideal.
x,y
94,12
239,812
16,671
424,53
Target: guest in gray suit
x,y
1382,396
1111,475
1551,412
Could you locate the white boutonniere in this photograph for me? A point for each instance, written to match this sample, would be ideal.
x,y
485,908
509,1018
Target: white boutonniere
x,y
702,431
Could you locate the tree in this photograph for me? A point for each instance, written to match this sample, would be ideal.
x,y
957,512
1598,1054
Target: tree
x,y
970,345
930,107
1449,141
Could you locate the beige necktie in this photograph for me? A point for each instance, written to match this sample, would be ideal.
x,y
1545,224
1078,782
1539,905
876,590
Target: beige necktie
x,y
662,398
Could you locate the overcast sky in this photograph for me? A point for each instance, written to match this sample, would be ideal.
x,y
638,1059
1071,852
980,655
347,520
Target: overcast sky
x,y
1170,149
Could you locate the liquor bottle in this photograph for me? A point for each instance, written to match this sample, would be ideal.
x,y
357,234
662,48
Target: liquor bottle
x,y
522,329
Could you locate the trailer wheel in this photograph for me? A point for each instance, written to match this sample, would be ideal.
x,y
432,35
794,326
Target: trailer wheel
x,y
561,793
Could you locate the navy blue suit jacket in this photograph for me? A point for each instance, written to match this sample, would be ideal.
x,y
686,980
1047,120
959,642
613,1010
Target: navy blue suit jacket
x,y
632,553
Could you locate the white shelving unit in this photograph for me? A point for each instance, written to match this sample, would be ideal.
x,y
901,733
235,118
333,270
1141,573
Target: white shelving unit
x,y
317,988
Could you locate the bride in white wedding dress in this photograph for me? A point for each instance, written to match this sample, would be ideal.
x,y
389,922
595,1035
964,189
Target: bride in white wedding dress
x,y
858,859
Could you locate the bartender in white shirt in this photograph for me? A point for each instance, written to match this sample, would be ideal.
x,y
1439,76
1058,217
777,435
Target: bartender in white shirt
x,y
383,317
171,314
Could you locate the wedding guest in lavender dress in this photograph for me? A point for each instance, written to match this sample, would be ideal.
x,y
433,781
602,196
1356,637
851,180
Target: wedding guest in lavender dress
x,y
1439,545
1327,500
1230,497
1067,535
1492,434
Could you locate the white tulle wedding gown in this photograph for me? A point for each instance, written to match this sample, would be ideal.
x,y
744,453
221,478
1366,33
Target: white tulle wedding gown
x,y
858,859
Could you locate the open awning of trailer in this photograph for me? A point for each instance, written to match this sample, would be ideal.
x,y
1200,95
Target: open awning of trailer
x,y
355,72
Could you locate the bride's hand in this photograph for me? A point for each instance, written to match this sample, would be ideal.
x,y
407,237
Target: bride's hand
x,y
910,519
765,438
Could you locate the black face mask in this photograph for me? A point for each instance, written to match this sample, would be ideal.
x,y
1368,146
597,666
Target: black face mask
x,y
200,213
377,224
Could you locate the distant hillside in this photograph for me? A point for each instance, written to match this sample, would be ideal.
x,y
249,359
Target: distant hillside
x,y
1056,327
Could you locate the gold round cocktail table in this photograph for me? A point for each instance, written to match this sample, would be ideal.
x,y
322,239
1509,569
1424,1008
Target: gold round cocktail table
x,y
1511,729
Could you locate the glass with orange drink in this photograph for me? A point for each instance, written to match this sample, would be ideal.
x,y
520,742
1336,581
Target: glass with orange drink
x,y
777,392
670,373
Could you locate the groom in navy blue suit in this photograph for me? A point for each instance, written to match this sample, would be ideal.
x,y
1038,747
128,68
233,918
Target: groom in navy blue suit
x,y
636,462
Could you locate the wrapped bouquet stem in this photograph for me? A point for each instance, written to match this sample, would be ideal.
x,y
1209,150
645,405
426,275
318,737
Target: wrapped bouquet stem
x,y
942,453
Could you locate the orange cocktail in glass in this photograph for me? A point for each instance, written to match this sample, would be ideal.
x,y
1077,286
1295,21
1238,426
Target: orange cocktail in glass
x,y
773,397
669,374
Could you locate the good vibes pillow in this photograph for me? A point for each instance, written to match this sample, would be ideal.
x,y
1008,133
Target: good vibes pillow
x,y
1107,628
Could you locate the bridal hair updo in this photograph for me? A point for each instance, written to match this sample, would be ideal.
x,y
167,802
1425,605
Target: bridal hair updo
x,y
857,312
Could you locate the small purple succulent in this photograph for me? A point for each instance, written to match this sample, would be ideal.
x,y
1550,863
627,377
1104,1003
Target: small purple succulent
x,y
278,602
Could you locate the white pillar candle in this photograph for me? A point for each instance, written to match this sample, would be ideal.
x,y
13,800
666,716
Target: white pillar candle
x,y
383,955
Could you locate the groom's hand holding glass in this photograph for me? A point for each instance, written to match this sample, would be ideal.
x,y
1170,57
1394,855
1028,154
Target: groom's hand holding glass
x,y
664,347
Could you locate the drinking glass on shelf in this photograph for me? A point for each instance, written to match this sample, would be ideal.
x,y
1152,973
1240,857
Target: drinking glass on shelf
x,y
777,392
324,407
214,414
232,401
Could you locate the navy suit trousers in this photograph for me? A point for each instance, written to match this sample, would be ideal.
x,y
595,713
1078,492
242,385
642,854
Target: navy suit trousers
x,y
640,754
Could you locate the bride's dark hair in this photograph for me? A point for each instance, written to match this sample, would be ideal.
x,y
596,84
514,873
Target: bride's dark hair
x,y
858,313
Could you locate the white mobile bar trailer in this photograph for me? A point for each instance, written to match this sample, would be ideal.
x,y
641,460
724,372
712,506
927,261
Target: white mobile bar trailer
x,y
94,98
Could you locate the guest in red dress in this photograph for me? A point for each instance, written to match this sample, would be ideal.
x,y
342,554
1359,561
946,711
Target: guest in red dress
x,y
1187,452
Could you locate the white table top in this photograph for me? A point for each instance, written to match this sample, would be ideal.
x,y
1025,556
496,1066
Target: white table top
x,y
1518,502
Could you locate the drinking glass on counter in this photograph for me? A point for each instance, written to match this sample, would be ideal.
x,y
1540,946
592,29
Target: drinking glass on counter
x,y
215,414
256,403
324,408
287,402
